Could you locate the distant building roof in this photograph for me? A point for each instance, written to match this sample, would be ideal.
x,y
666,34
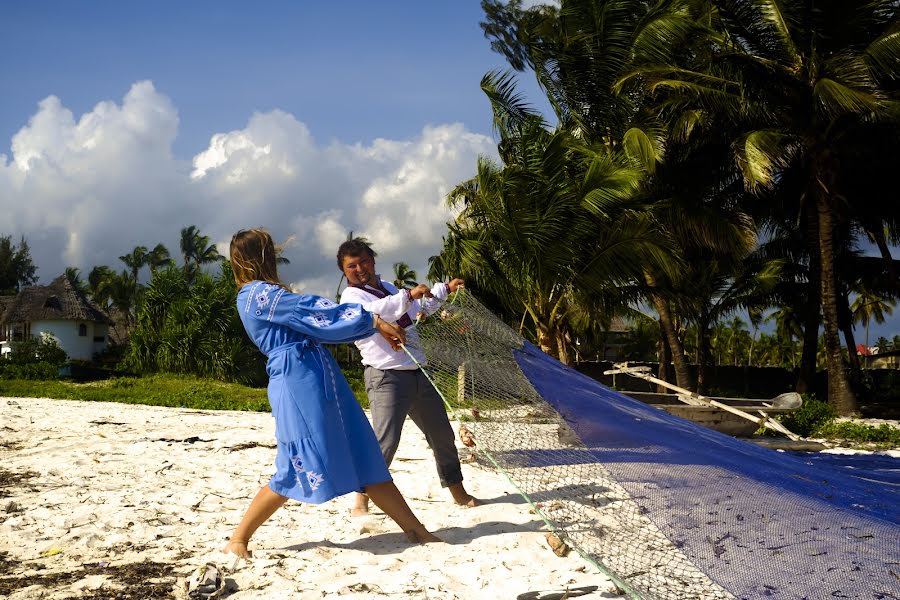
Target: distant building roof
x,y
57,301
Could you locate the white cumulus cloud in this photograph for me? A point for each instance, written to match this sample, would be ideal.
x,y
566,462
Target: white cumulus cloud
x,y
86,190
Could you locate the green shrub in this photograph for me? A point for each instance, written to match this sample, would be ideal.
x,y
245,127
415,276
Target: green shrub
x,y
37,350
859,432
357,385
30,371
193,328
809,418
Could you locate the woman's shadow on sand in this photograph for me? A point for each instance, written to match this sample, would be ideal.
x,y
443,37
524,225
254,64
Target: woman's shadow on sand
x,y
394,542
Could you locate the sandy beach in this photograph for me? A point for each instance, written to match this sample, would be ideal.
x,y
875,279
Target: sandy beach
x,y
102,500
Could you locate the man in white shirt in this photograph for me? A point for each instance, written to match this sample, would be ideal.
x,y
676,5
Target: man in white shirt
x,y
394,384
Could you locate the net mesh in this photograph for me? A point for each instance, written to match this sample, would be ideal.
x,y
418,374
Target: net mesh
x,y
668,508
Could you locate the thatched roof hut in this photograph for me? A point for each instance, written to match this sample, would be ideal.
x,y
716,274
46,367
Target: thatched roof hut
x,y
59,300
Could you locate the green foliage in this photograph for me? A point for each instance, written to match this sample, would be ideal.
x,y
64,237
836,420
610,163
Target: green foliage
x,y
742,117
404,277
188,323
44,349
16,268
32,371
34,358
860,432
809,418
358,385
197,250
183,391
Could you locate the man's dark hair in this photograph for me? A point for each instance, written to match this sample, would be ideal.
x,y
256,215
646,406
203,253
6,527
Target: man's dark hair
x,y
355,247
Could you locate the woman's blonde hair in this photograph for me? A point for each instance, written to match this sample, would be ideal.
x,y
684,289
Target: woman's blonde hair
x,y
253,257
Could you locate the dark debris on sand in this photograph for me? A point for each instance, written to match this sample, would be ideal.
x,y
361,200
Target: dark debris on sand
x,y
127,582
248,445
11,479
6,565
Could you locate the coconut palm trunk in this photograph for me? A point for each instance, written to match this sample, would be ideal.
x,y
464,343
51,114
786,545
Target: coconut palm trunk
x,y
664,353
840,395
682,369
807,373
846,325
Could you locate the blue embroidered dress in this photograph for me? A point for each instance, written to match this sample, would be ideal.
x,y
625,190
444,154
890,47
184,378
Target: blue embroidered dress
x,y
326,446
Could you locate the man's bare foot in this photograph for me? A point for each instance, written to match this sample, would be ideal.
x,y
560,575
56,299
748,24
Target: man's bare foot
x,y
420,535
360,506
462,497
238,548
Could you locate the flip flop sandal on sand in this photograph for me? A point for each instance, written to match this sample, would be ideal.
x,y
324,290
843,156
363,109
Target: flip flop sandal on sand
x,y
205,582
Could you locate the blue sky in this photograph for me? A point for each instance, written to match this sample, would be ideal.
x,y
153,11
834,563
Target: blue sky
x,y
351,71
121,123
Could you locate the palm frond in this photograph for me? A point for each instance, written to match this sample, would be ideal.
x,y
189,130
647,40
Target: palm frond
x,y
761,155
883,54
511,112
835,99
643,149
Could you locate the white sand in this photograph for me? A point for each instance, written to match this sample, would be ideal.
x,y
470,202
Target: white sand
x,y
108,490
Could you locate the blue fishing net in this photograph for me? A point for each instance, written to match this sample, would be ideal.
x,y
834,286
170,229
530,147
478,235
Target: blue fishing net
x,y
670,509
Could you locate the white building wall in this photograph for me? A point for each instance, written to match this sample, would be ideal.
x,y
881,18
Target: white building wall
x,y
100,330
66,333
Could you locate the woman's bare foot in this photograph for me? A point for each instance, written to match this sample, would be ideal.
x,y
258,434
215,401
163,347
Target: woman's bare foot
x,y
238,548
462,497
420,535
360,506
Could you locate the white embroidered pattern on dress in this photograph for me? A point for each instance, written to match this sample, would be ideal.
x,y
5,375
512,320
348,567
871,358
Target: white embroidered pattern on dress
x,y
348,314
314,479
318,319
324,303
275,303
251,295
262,299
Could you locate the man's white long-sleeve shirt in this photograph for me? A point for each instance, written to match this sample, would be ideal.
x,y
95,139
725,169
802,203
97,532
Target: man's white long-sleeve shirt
x,y
375,350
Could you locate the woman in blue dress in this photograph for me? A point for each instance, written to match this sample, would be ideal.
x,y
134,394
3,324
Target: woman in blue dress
x,y
325,444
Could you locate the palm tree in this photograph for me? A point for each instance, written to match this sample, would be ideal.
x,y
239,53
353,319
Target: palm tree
x,y
554,229
787,327
73,274
196,251
796,82
579,52
755,314
99,285
868,307
135,260
159,257
114,292
404,277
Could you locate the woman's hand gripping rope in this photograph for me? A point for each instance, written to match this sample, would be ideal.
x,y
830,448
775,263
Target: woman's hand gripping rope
x,y
394,334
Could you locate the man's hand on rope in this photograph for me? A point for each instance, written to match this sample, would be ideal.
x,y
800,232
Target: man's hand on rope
x,y
456,284
420,291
